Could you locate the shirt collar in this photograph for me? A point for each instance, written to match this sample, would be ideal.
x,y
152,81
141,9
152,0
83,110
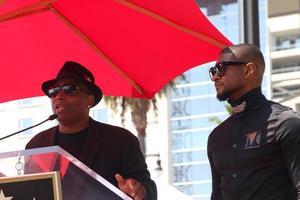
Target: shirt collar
x,y
246,100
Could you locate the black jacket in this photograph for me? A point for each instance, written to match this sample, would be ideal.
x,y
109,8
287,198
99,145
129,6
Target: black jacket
x,y
107,150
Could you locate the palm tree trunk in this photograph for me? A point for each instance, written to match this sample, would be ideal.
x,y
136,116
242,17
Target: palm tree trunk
x,y
141,138
139,119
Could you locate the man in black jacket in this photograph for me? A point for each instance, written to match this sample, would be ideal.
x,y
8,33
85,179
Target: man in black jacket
x,y
255,153
111,151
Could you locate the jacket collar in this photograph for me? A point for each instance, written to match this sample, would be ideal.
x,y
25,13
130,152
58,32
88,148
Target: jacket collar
x,y
92,145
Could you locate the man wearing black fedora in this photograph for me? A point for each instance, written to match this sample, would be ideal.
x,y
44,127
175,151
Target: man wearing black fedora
x,y
111,151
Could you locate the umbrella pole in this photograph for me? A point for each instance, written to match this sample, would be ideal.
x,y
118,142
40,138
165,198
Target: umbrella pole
x,y
98,50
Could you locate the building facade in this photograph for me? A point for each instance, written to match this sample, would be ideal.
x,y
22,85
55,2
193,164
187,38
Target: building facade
x,y
284,29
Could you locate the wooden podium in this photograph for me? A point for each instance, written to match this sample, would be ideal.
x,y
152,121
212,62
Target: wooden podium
x,y
51,173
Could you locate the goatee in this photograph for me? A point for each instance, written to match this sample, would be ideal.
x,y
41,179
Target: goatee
x,y
223,96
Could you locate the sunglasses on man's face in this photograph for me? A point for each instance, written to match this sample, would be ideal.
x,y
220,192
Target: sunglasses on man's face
x,y
67,89
219,68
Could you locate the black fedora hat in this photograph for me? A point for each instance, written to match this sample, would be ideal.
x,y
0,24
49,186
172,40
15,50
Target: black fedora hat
x,y
75,71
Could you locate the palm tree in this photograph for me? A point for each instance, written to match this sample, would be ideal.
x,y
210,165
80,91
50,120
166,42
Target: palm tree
x,y
139,109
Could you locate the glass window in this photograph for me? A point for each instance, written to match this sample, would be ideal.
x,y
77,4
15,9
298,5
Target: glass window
x,y
191,156
188,140
201,122
100,115
187,189
25,123
213,8
200,73
201,90
188,173
197,107
199,190
25,102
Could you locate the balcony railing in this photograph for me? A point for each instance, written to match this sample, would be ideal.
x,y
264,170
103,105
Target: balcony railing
x,y
285,44
285,69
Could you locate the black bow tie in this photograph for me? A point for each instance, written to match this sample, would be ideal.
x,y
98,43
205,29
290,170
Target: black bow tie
x,y
239,108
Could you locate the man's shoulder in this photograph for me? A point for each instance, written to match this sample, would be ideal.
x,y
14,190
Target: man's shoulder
x,y
277,107
109,129
40,139
282,112
48,131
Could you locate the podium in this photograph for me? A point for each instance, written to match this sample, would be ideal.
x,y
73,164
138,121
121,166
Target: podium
x,y
50,173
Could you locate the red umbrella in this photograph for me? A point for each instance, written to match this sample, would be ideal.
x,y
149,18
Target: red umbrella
x,y
133,47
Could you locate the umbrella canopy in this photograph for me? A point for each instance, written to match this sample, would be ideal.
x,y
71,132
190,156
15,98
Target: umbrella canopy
x,y
133,47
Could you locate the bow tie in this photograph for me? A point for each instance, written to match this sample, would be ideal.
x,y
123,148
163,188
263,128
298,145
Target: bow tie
x,y
239,108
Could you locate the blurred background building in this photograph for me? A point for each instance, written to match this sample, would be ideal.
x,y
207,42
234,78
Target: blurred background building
x,y
284,31
177,137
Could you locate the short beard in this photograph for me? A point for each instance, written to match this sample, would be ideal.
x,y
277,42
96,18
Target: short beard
x,y
224,96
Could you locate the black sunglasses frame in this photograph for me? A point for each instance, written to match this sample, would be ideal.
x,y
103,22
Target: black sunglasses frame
x,y
219,68
67,89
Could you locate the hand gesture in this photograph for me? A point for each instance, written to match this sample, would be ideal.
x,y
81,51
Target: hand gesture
x,y
131,187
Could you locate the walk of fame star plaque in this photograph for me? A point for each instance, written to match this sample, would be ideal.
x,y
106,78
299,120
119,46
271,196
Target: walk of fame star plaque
x,y
40,186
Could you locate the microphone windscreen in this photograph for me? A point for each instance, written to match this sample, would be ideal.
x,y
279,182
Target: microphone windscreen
x,y
52,117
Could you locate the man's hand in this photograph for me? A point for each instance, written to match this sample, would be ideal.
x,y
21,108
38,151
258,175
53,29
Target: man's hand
x,y
131,187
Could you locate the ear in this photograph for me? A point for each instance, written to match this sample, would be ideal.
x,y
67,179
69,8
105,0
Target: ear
x,y
91,100
250,69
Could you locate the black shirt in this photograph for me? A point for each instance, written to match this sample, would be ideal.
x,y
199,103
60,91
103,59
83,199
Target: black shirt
x,y
255,154
72,143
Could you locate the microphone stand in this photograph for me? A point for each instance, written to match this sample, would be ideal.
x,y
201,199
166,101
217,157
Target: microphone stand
x,y
51,117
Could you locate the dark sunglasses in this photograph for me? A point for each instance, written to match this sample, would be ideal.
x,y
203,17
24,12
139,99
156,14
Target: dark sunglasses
x,y
67,89
219,68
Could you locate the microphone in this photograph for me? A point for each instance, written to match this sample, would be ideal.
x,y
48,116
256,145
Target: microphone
x,y
51,117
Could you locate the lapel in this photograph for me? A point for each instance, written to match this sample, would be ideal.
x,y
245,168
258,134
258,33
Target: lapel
x,y
93,143
50,141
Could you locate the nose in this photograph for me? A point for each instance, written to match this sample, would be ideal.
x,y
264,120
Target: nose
x,y
215,77
60,94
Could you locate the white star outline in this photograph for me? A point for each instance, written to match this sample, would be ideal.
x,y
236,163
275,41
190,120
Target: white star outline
x,y
2,197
